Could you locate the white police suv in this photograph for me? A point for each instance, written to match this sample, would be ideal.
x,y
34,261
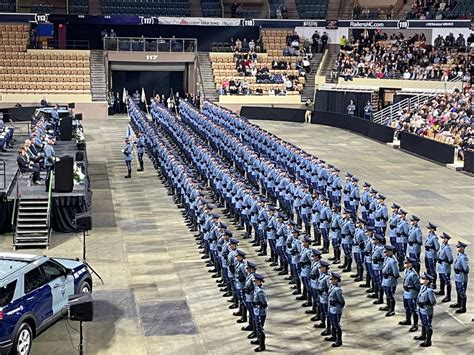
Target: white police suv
x,y
33,292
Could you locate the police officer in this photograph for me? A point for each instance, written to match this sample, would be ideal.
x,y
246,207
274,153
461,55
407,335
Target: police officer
x,y
304,266
294,251
336,305
401,232
128,156
390,275
347,239
351,108
239,284
415,241
368,109
324,223
378,241
365,200
260,311
140,149
367,252
426,301
313,284
49,160
381,215
411,288
461,270
445,259
431,251
249,289
392,223
358,249
323,292
354,198
336,225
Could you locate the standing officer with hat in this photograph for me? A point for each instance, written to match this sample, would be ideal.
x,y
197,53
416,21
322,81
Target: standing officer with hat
x,y
323,292
392,223
336,225
377,265
381,215
415,241
140,149
461,270
367,252
313,284
426,301
336,305
347,239
304,265
358,249
249,289
128,156
260,311
445,259
411,288
354,198
431,250
401,232
390,274
239,284
365,200
324,223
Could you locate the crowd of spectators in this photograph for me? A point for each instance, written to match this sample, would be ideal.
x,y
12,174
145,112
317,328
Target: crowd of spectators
x,y
430,9
249,70
366,13
281,12
447,117
399,57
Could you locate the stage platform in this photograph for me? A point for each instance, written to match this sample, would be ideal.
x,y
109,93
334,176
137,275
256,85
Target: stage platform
x,y
65,204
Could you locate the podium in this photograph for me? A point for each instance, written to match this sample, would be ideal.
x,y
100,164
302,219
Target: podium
x,y
65,129
63,174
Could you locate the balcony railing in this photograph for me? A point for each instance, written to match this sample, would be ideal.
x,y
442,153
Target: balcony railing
x,y
142,44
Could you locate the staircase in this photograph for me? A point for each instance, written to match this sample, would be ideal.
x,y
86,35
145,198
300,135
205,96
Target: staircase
x,y
347,8
292,9
195,8
95,7
333,9
32,223
308,90
98,80
327,67
207,76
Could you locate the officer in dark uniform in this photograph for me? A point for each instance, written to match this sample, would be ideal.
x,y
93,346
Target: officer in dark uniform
x,y
140,149
461,271
336,305
128,156
426,301
260,311
411,288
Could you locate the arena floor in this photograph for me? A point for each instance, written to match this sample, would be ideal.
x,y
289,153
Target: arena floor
x,y
158,297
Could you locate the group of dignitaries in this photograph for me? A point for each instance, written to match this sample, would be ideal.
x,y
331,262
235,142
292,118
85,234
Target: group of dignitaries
x,y
289,201
37,153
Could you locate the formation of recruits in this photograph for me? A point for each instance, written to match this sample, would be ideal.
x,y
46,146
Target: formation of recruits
x,y
272,189
128,153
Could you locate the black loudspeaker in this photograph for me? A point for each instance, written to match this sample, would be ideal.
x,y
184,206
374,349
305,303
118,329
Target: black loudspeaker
x,y
71,105
78,116
65,129
81,307
63,174
83,221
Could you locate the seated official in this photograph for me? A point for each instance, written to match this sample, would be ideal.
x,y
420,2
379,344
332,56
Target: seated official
x,y
25,165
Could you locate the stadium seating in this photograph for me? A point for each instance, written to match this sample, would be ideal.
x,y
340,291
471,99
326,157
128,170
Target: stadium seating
x,y
7,5
211,8
39,71
78,6
312,9
274,4
274,41
146,7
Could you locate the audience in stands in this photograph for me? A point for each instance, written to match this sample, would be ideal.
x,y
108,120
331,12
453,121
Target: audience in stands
x,y
430,9
447,117
396,57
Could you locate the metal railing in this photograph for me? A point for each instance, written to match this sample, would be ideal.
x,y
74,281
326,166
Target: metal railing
x,y
142,44
3,172
202,93
48,215
15,203
390,113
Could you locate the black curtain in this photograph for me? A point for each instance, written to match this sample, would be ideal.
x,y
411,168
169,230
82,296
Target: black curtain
x,y
64,211
337,101
6,210
154,82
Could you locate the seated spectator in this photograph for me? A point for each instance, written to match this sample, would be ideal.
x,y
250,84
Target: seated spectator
x,y
26,165
251,45
284,12
238,45
278,13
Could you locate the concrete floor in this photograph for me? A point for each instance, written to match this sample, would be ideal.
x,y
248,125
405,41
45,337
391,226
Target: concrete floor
x,y
158,297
